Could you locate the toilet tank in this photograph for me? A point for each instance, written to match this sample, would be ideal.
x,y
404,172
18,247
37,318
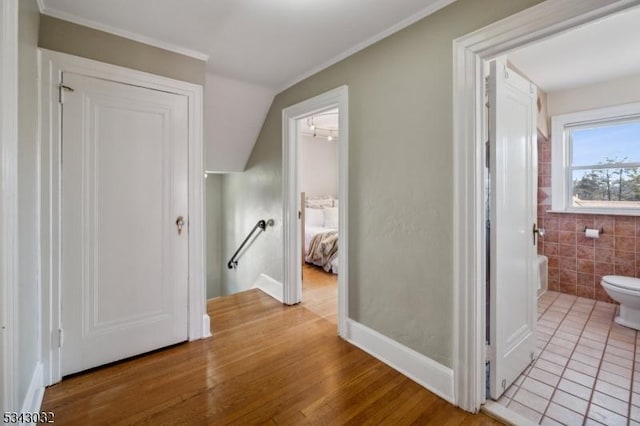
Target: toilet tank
x,y
543,276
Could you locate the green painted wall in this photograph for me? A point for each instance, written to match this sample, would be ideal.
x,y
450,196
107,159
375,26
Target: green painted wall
x,y
400,179
78,40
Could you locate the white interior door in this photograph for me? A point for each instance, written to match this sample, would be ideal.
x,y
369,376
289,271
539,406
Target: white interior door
x,y
513,168
124,185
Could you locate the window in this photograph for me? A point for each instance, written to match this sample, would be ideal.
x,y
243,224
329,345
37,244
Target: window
x,y
596,161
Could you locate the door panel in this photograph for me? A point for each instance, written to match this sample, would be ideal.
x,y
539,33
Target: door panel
x,y
513,278
124,183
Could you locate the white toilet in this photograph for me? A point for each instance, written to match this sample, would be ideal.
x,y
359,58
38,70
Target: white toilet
x,y
626,291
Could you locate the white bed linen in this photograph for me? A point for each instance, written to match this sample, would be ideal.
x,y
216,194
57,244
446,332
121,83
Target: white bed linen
x,y
312,231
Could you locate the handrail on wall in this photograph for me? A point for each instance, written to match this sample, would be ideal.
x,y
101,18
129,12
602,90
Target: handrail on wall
x,y
233,262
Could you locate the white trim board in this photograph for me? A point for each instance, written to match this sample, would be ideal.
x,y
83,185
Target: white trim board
x,y
269,286
292,285
421,369
35,392
8,204
469,54
52,64
121,33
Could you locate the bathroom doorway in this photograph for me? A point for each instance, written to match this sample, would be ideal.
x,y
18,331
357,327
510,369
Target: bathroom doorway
x,y
530,26
584,366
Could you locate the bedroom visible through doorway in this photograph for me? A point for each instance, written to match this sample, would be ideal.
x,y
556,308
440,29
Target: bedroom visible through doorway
x,y
313,116
318,136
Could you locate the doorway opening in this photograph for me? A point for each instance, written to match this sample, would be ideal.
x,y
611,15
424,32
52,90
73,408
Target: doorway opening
x,y
318,138
532,25
584,364
315,149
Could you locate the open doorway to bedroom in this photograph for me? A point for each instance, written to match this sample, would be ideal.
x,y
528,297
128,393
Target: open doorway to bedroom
x,y
318,129
318,136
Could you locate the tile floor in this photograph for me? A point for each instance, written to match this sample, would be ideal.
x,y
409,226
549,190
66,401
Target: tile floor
x,y
586,373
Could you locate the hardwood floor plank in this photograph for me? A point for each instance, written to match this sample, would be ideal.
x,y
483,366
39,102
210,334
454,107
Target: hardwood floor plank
x,y
265,364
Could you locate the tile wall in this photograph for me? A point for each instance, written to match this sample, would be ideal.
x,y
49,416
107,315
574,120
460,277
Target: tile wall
x,y
577,263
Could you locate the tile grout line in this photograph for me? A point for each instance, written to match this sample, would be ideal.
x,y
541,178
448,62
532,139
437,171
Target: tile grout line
x,y
604,350
566,366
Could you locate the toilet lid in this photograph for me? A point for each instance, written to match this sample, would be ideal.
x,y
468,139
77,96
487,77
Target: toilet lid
x,y
629,283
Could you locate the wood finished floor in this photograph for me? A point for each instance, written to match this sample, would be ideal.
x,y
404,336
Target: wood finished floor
x,y
266,364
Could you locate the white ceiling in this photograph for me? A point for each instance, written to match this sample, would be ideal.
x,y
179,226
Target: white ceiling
x,y
597,52
274,43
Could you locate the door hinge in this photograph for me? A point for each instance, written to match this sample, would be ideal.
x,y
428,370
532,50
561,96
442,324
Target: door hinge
x,y
487,351
504,384
60,337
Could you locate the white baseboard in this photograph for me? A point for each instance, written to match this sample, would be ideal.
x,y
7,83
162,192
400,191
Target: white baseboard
x,y
423,370
33,398
206,326
271,286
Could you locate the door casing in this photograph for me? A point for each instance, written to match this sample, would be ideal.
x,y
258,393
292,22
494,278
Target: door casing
x,y
9,205
292,286
469,236
52,64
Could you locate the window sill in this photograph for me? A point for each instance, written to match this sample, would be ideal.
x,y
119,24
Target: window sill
x,y
601,212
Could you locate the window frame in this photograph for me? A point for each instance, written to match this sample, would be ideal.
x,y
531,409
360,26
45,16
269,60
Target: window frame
x,y
561,155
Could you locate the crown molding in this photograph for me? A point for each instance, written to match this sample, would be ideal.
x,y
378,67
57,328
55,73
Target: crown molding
x,y
432,8
122,33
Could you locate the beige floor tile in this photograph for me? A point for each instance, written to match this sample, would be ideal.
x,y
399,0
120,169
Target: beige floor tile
x,y
586,350
619,352
537,387
569,401
616,369
622,362
559,350
525,411
613,390
549,366
564,415
623,382
575,389
546,421
589,370
579,378
531,400
611,403
635,413
585,359
557,341
605,416
555,358
544,376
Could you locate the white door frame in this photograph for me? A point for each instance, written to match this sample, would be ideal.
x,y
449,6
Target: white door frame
x,y
292,289
469,54
52,64
8,204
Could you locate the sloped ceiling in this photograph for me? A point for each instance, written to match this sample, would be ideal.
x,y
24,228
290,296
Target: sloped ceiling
x,y
271,43
253,48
